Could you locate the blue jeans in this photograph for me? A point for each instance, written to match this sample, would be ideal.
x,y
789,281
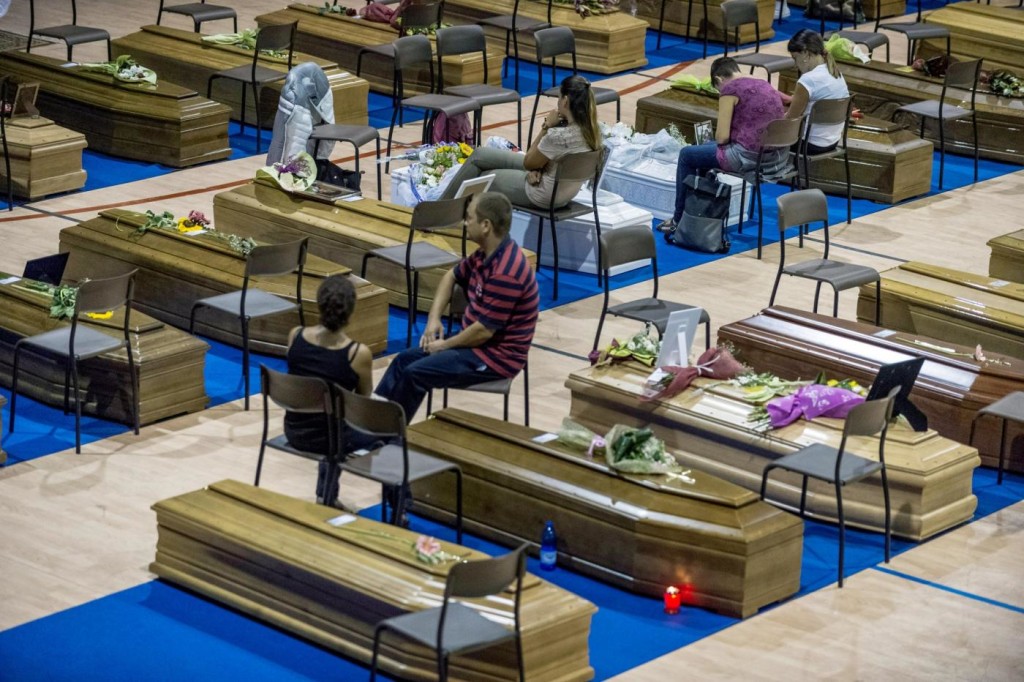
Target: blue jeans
x,y
692,160
413,372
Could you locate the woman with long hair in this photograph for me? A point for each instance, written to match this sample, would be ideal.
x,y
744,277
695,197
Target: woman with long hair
x,y
819,79
570,128
745,107
326,351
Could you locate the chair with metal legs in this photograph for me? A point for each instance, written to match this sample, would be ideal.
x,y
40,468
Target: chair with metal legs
x,y
841,468
355,135
828,112
737,13
797,209
200,12
72,34
78,341
514,24
913,30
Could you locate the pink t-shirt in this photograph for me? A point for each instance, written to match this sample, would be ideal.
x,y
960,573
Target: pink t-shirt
x,y
758,104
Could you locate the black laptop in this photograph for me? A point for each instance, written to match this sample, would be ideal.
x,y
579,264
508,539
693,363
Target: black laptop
x,y
48,269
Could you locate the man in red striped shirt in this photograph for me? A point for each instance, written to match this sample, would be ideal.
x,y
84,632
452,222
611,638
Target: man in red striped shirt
x,y
497,327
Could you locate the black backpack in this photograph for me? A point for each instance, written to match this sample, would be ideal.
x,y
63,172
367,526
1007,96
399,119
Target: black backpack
x,y
333,175
702,227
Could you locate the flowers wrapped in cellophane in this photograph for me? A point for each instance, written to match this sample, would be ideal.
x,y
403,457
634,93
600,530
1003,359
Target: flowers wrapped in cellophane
x,y
625,448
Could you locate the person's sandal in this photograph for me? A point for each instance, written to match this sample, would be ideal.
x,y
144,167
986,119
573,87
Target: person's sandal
x,y
666,226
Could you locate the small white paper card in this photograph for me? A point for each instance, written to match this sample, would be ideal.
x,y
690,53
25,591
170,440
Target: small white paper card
x,y
10,280
545,438
885,333
338,521
353,197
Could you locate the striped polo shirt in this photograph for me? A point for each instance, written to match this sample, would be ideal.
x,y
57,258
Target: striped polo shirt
x,y
502,295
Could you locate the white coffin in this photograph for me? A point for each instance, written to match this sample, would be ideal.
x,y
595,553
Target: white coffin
x,y
651,185
576,239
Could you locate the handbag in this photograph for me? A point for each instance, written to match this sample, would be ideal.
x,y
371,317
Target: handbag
x,y
702,227
333,175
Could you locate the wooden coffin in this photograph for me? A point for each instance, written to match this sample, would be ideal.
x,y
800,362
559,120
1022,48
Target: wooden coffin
x,y
279,559
995,34
887,162
340,38
605,43
726,549
950,390
675,19
890,8
1007,259
176,270
45,158
165,123
929,475
169,362
951,305
879,88
342,233
181,57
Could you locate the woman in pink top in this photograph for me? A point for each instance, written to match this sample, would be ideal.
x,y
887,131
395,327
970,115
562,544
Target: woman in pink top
x,y
745,107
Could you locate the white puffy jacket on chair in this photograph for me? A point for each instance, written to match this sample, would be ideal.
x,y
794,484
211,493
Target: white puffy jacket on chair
x,y
306,101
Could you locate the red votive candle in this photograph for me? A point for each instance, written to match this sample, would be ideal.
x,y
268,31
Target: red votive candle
x,y
673,599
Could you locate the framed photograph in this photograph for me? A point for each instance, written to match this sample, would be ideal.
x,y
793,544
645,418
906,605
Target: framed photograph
x,y
25,100
474,186
703,132
678,337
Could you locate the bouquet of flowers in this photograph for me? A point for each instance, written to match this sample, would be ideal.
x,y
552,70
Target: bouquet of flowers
x,y
124,68
196,222
437,165
296,174
1006,84
245,39
690,82
626,449
585,8
641,347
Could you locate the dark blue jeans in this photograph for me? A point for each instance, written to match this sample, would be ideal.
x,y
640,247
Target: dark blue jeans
x,y
693,159
413,372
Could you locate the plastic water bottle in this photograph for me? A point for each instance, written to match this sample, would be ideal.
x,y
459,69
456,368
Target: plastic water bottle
x,y
548,547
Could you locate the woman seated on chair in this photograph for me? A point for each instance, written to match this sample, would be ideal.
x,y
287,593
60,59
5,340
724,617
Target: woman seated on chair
x,y
819,79
745,107
326,351
528,180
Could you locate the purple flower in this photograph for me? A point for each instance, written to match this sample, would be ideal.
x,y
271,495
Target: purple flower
x,y
295,166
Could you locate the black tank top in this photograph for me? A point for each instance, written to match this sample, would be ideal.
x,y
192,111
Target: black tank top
x,y
309,431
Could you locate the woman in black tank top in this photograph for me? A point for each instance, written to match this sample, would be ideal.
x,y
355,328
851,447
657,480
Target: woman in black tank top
x,y
325,351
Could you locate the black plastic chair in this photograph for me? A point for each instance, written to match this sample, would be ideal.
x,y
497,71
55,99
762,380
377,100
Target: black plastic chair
x,y
412,52
914,31
783,133
841,468
415,19
828,112
514,24
274,38
72,34
551,44
394,465
200,12
627,245
416,256
797,209
1009,408
300,395
76,342
737,13
962,75
470,39
454,628
870,39
574,168
250,303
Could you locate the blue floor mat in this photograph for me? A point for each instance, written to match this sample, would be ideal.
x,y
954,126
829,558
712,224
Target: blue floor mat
x,y
158,631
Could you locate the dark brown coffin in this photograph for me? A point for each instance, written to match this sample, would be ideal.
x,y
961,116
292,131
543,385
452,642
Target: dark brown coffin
x,y
950,305
676,12
169,362
930,477
176,270
278,559
950,390
879,88
339,39
181,57
1007,259
728,550
887,163
342,233
995,34
165,123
